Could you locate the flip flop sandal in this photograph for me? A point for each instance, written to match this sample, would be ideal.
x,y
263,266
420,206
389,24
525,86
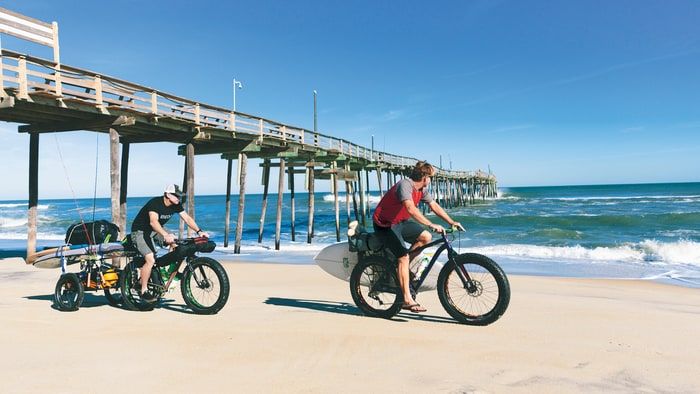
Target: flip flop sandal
x,y
414,308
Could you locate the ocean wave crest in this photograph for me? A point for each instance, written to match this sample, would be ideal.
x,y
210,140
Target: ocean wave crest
x,y
12,222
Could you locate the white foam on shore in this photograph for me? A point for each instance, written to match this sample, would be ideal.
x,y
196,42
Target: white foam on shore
x,y
690,198
23,205
646,252
289,253
39,236
341,198
11,222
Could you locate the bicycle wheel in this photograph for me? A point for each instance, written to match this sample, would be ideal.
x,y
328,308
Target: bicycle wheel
x,y
114,296
129,283
69,293
375,288
205,286
483,299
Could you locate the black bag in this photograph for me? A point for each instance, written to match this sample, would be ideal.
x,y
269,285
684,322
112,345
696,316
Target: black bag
x,y
97,232
364,241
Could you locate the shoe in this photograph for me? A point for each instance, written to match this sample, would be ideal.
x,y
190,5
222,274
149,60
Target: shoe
x,y
148,296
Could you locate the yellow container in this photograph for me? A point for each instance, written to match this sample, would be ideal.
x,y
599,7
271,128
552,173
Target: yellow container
x,y
110,277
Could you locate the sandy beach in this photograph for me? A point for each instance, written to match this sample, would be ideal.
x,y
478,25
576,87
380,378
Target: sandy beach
x,y
293,328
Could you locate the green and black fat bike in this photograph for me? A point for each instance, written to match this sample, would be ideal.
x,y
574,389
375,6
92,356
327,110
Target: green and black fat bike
x,y
471,287
203,282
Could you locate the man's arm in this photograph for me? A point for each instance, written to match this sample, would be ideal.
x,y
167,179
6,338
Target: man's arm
x,y
435,207
155,225
192,224
420,218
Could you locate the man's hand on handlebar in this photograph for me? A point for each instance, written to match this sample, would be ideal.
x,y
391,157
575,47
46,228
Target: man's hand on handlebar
x,y
437,228
169,238
458,226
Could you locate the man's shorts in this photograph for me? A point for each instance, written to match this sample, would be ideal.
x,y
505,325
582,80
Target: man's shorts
x,y
396,237
145,243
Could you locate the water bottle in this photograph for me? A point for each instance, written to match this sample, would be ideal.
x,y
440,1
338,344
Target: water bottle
x,y
422,264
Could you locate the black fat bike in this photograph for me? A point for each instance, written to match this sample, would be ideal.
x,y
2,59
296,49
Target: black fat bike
x,y
471,287
204,283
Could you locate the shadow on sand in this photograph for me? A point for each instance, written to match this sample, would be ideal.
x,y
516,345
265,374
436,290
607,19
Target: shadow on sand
x,y
349,309
92,300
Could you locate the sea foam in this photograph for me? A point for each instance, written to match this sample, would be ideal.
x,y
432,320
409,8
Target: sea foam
x,y
648,251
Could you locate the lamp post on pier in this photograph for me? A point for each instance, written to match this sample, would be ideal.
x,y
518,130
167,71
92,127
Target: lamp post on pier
x,y
315,116
239,85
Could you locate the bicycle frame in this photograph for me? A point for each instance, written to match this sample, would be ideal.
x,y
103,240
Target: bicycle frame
x,y
461,272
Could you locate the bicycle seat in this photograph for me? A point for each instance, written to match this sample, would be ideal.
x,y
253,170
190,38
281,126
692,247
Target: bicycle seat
x,y
129,244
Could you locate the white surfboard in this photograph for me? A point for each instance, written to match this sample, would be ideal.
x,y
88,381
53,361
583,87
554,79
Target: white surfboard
x,y
338,261
52,258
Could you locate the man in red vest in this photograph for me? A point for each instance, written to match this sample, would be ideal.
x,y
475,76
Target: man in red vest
x,y
391,221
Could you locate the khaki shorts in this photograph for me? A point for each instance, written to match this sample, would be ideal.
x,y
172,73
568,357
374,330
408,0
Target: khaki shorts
x,y
145,244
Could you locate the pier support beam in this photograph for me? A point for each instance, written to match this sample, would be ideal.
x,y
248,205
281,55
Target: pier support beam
x,y
190,184
367,210
227,218
379,182
242,165
114,177
363,198
334,184
310,187
291,192
33,192
123,186
280,194
181,227
266,183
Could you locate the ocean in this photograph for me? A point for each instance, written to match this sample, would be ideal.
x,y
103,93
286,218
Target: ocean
x,y
643,231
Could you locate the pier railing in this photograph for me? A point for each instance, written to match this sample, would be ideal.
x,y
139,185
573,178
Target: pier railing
x,y
24,76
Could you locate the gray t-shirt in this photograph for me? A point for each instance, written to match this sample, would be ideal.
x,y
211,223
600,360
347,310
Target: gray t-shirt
x,y
404,191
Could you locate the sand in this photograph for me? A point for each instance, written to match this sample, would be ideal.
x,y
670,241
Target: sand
x,y
293,328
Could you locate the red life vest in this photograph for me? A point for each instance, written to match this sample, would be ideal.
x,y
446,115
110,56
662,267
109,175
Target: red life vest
x,y
390,210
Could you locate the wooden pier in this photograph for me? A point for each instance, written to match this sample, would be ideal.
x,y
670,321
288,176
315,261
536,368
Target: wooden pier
x,y
47,96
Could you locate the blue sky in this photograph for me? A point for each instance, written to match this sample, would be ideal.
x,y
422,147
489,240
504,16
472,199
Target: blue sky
x,y
543,92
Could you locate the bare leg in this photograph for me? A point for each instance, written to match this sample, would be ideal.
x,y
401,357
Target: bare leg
x,y
402,272
146,271
423,239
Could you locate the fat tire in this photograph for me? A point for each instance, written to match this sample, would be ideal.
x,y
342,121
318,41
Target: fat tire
x,y
221,275
126,278
499,276
359,299
113,296
68,305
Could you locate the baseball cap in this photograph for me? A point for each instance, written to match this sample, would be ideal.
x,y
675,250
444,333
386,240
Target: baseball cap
x,y
174,190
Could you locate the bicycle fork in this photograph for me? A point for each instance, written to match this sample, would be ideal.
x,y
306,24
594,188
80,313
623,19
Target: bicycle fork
x,y
467,281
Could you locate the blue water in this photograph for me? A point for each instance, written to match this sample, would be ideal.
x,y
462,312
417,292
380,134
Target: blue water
x,y
622,231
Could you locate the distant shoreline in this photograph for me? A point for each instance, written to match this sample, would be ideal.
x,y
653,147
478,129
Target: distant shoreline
x,y
373,191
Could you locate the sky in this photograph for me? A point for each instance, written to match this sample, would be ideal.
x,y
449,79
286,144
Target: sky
x,y
540,92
